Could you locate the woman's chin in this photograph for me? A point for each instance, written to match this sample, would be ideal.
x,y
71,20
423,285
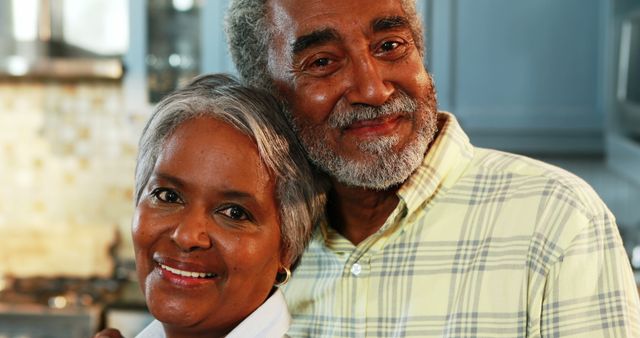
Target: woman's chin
x,y
178,320
174,312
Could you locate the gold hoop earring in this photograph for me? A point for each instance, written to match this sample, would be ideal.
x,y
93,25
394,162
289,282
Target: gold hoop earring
x,y
286,277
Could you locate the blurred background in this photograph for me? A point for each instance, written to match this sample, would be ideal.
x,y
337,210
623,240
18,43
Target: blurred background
x,y
557,80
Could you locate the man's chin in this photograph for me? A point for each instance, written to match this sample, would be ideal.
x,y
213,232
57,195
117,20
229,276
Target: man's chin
x,y
378,163
380,168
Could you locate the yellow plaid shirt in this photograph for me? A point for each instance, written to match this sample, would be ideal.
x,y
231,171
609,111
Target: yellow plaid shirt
x,y
482,244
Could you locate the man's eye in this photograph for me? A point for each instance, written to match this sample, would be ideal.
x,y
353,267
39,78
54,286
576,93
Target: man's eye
x,y
392,49
166,195
389,46
318,64
321,62
235,212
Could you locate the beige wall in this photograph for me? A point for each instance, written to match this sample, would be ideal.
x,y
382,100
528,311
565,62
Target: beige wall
x,y
67,155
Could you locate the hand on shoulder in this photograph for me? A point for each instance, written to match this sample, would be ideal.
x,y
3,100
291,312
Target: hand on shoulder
x,y
108,333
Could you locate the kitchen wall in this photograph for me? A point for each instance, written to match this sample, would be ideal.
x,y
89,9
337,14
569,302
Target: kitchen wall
x,y
67,156
67,149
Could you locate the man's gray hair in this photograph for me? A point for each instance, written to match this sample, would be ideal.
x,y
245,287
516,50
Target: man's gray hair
x,y
255,113
249,34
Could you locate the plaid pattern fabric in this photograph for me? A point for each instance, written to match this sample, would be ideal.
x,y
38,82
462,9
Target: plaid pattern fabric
x,y
482,244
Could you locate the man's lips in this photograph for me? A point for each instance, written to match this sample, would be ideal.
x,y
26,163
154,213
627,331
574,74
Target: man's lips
x,y
381,125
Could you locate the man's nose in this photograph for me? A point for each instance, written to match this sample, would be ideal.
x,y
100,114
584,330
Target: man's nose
x,y
368,84
192,231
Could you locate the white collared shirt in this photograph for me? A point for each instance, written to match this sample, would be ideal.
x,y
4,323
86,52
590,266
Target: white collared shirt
x,y
270,320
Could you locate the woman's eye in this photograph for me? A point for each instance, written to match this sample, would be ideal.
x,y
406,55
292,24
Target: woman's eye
x,y
235,212
167,196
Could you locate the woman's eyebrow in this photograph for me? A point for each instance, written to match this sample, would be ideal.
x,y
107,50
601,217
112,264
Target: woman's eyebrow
x,y
159,176
237,195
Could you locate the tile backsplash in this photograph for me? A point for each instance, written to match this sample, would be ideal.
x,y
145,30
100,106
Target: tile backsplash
x,y
67,156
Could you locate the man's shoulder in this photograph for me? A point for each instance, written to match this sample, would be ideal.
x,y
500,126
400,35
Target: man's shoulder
x,y
502,161
527,197
535,175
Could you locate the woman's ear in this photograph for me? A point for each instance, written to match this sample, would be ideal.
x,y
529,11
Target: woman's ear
x,y
284,269
286,258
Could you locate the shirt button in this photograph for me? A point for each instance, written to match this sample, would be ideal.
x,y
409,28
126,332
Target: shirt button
x,y
356,269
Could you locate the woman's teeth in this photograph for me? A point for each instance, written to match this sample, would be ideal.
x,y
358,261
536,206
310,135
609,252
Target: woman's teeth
x,y
188,273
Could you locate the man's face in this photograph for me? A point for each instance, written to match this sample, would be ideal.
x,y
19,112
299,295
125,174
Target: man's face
x,y
361,101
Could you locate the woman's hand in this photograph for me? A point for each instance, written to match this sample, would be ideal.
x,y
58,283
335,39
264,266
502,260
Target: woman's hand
x,y
108,333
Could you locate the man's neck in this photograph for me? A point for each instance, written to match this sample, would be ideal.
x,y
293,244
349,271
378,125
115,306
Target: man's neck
x,y
357,213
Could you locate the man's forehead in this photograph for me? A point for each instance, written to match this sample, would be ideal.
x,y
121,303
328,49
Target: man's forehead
x,y
295,18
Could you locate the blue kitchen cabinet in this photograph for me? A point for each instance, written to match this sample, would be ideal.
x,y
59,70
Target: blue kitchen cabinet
x,y
525,76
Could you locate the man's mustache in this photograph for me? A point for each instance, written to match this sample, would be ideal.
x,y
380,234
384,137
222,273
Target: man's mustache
x,y
401,104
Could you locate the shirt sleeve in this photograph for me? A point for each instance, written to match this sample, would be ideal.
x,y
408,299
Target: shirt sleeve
x,y
590,291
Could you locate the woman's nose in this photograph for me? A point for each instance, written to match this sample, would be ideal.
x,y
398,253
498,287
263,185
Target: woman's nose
x,y
192,232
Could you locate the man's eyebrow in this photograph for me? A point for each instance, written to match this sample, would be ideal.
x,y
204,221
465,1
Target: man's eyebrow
x,y
313,39
389,22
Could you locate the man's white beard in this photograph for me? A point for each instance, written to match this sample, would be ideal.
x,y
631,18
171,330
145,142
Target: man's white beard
x,y
382,167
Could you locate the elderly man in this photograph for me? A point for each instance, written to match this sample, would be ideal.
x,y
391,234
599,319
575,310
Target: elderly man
x,y
427,236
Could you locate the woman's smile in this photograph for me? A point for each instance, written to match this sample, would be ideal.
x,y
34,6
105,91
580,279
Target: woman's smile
x,y
183,274
191,274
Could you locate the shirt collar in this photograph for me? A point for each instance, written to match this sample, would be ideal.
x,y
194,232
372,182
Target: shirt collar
x,y
271,319
447,158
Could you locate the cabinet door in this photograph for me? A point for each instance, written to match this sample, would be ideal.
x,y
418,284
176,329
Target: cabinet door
x,y
523,75
171,42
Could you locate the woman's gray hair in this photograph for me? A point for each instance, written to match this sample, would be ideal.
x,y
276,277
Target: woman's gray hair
x,y
255,113
249,33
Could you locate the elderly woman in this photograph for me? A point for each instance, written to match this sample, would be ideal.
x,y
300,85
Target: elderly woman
x,y
225,203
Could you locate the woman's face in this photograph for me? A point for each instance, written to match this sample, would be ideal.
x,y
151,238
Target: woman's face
x,y
206,230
